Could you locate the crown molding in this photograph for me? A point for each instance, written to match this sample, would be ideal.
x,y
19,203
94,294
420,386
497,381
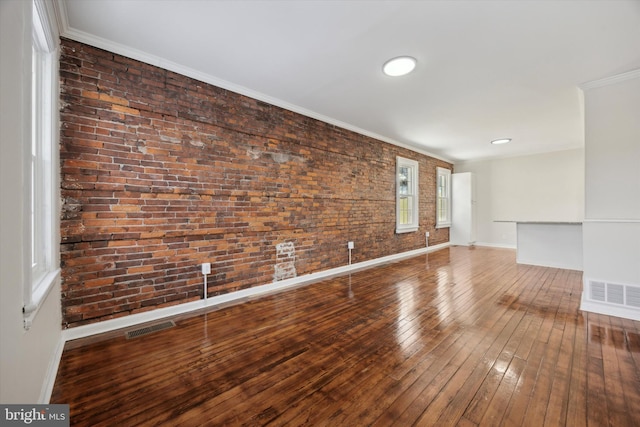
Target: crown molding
x,y
60,13
629,75
48,13
120,49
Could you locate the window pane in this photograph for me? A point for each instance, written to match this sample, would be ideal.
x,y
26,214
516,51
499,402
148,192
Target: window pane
x,y
404,181
443,214
42,137
34,129
405,208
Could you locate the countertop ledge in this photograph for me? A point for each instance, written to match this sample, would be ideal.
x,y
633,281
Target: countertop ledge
x,y
539,222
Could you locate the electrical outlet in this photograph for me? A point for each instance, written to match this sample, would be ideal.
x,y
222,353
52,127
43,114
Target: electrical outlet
x,y
350,245
426,234
206,268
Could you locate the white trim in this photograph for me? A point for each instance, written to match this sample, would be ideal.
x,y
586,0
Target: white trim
x,y
634,74
49,24
30,310
238,296
52,373
612,221
61,16
44,128
413,192
495,245
139,55
446,173
27,90
546,263
212,302
608,309
402,230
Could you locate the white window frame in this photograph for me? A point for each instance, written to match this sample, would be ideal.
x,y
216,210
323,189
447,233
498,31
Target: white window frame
x,y
41,269
443,197
412,225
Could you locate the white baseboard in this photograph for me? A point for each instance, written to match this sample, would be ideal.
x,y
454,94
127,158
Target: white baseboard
x,y
549,263
496,245
52,372
131,320
608,309
237,296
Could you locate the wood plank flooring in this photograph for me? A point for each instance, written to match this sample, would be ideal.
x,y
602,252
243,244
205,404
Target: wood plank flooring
x,y
458,337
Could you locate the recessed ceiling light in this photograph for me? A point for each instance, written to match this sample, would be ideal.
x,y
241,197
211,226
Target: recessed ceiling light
x,y
399,66
501,141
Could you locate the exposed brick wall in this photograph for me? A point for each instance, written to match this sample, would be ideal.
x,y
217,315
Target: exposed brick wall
x,y
161,172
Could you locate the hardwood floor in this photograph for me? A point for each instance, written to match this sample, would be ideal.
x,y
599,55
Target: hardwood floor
x,y
459,337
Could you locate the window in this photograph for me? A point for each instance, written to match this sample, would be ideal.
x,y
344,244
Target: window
x,y
406,195
443,198
42,270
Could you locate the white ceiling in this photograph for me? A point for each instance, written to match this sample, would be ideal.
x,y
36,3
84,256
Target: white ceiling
x,y
486,69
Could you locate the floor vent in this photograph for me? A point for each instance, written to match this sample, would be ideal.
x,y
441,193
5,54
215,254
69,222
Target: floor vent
x,y
624,295
150,329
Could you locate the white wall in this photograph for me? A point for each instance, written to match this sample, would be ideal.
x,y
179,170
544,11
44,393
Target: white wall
x,y
557,245
612,132
28,357
611,231
540,187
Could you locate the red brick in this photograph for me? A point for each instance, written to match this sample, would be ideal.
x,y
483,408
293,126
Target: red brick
x,y
161,172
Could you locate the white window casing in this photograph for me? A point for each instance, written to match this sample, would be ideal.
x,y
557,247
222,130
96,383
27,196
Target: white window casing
x,y
407,179
41,270
443,197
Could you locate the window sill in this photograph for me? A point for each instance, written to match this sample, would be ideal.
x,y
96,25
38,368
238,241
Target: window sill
x,y
31,309
443,226
406,230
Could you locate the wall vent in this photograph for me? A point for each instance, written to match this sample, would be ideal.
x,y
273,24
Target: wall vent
x,y
150,329
633,296
598,291
613,293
